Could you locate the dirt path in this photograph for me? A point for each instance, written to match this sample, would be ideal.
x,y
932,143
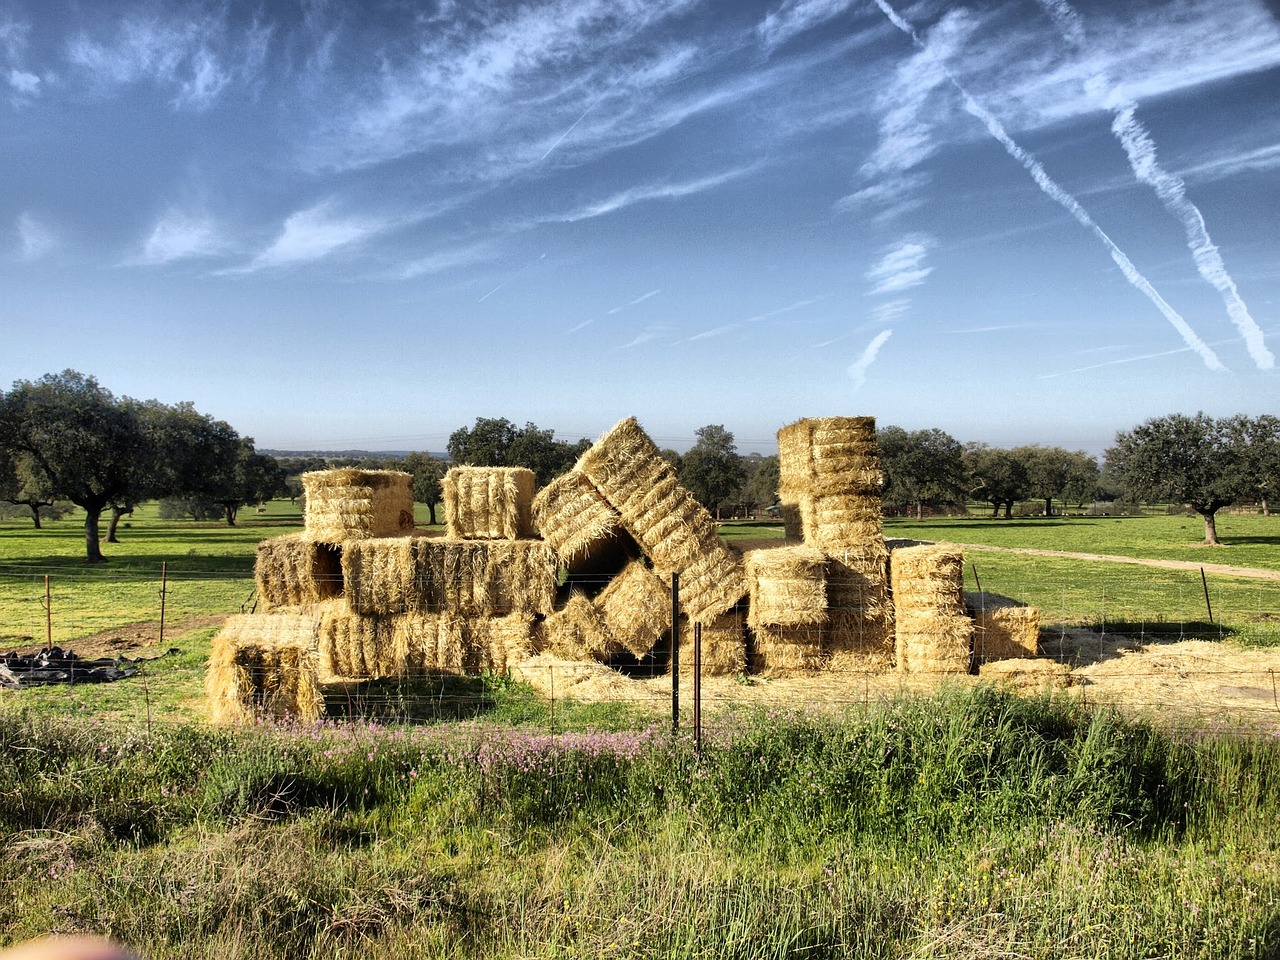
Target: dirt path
x,y
1221,569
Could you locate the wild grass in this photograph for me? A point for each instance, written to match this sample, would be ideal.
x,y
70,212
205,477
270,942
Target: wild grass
x,y
971,824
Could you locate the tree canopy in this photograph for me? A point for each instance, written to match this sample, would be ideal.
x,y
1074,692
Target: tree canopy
x,y
499,443
712,470
921,468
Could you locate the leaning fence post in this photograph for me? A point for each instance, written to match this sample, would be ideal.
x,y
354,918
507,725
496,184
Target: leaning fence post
x,y
697,687
164,583
1205,583
48,616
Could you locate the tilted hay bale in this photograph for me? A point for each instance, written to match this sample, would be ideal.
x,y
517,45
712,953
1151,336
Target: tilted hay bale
x,y
572,516
353,645
724,645
782,650
381,575
500,643
1003,628
486,578
636,606
558,679
354,504
675,532
787,586
291,570
264,665
488,503
578,631
933,632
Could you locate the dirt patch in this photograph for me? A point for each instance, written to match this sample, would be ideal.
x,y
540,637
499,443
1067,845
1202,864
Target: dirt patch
x,y
128,639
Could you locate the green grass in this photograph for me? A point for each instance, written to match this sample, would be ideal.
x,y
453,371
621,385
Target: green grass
x,y
970,824
1248,540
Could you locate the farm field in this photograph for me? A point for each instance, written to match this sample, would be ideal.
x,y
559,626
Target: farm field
x,y
964,821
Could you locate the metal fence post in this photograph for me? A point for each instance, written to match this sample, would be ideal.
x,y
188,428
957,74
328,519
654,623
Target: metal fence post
x,y
675,652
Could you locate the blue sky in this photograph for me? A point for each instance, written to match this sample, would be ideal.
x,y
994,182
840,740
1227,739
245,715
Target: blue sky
x,y
339,225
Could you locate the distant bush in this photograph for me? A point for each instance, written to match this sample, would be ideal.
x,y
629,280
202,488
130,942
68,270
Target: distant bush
x,y
183,508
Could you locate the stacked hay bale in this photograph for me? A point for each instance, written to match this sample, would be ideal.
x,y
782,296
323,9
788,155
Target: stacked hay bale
x,y
1003,628
488,503
933,633
787,593
829,484
353,504
293,571
264,665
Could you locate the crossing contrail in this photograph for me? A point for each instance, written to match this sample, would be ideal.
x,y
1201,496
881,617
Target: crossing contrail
x,y
1169,187
1051,188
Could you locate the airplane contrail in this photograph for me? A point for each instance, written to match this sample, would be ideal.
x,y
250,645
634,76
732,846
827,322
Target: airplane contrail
x,y
1169,187
591,106
858,369
1051,188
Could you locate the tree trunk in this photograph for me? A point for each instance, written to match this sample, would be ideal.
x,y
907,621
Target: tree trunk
x,y
1266,509
1210,528
116,514
231,509
995,509
93,552
431,507
1048,506
35,514
1008,509
919,510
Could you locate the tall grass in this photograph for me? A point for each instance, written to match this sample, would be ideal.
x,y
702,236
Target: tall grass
x,y
970,824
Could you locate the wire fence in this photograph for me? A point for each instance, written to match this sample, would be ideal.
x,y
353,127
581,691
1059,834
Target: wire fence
x,y
1194,649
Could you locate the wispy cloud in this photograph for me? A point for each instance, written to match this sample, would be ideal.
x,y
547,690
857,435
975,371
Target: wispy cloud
x,y
796,16
892,196
789,308
891,311
650,333
643,193
449,259
858,369
1256,160
196,56
715,332
1113,363
640,299
311,235
180,235
902,267
35,239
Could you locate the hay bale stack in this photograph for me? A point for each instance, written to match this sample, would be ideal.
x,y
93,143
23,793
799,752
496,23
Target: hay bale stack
x,y
1032,675
578,631
381,575
933,633
488,503
572,517
355,646
292,571
724,645
636,606
499,643
1003,628
264,665
829,479
787,586
353,504
485,578
428,644
674,531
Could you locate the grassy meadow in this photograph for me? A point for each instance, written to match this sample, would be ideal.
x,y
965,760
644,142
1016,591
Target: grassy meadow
x,y
969,823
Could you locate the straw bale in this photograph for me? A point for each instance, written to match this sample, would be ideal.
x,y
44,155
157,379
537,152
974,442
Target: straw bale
x,y
578,631
499,644
427,643
572,517
485,578
488,503
674,531
353,645
781,650
837,523
264,665
381,575
724,645
557,679
937,643
928,579
636,606
792,525
1031,674
859,633
787,586
291,570
356,504
1003,628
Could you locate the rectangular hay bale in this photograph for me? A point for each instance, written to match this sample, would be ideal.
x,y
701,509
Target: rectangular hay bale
x,y
291,571
787,586
1003,628
636,606
488,503
350,504
264,665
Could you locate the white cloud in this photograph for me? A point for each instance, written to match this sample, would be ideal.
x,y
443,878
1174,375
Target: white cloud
x,y
24,83
715,332
640,194
449,259
858,369
314,234
797,16
640,299
887,313
901,268
1255,160
35,238
180,236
